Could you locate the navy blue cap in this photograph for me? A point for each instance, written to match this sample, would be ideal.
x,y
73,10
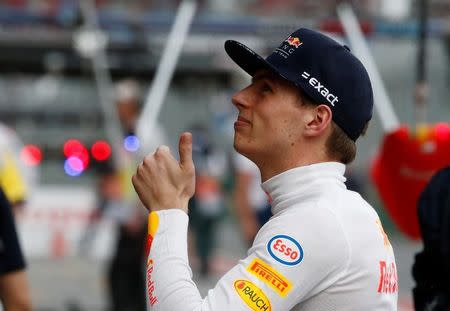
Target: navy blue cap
x,y
323,69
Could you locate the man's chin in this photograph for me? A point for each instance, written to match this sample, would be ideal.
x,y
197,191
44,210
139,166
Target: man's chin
x,y
237,144
241,148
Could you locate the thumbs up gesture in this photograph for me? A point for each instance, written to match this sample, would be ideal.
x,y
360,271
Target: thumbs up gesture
x,y
162,182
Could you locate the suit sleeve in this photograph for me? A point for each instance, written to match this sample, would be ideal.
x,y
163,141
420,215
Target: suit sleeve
x,y
281,270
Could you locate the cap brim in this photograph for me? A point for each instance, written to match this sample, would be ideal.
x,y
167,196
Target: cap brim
x,y
246,58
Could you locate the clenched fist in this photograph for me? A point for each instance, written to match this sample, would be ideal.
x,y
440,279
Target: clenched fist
x,y
162,182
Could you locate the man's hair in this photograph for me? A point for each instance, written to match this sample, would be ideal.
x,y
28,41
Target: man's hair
x,y
338,145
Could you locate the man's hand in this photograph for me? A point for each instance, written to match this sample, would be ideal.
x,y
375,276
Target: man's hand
x,y
162,182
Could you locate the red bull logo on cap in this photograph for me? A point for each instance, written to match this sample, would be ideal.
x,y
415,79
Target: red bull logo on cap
x,y
294,41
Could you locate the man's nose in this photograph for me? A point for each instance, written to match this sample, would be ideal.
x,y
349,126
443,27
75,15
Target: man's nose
x,y
240,100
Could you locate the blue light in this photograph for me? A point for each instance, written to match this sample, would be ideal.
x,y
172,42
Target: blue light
x,y
73,166
131,143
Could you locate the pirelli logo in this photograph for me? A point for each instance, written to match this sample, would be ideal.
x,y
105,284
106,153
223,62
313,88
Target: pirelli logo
x,y
270,276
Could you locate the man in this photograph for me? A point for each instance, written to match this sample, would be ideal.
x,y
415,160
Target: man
x,y
431,268
14,290
15,184
324,248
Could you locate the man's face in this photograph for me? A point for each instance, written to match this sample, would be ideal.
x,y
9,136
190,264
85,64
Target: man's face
x,y
269,121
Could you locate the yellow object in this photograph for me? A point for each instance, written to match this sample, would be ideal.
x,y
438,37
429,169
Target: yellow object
x,y
11,179
423,132
385,237
252,295
153,223
270,276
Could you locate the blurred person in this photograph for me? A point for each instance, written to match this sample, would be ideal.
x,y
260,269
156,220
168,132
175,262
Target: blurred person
x,y
16,178
324,248
117,199
14,288
431,268
207,206
250,201
15,183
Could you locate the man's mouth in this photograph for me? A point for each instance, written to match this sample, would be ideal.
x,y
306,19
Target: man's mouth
x,y
242,119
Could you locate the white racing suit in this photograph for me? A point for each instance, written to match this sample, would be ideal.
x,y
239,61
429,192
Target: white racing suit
x,y
324,249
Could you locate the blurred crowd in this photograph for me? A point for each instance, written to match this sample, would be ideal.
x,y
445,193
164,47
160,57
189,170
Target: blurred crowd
x,y
41,102
304,8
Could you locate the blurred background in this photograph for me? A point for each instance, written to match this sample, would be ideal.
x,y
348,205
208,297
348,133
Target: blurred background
x,y
66,66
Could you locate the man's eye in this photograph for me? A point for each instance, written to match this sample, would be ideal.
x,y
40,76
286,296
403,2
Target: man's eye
x,y
266,88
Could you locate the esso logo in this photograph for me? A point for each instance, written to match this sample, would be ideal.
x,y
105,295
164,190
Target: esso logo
x,y
285,250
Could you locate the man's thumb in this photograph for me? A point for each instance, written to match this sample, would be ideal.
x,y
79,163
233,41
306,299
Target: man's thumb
x,y
185,149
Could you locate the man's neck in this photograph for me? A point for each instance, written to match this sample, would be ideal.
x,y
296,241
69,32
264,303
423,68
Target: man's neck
x,y
270,167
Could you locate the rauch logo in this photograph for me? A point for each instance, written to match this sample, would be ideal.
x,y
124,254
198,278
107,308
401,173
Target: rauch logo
x,y
252,295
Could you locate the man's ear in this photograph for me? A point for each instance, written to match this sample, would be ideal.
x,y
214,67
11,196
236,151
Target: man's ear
x,y
317,120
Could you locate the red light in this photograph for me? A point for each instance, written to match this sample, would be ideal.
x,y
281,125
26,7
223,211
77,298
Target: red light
x,y
442,131
101,150
74,148
31,155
